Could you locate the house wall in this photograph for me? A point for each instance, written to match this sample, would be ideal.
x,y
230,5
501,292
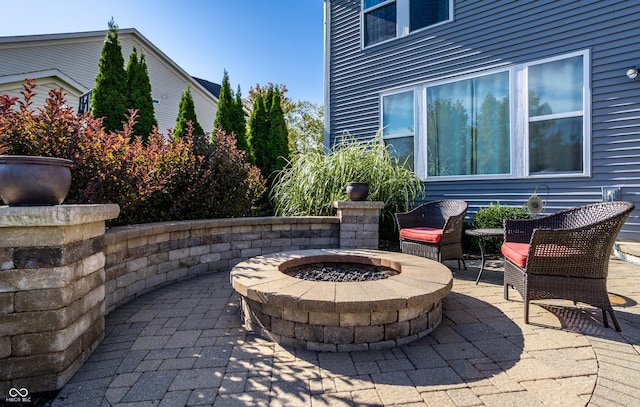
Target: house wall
x,y
487,35
77,56
45,83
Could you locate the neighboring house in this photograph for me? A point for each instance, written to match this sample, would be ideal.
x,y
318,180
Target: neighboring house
x,y
493,100
71,60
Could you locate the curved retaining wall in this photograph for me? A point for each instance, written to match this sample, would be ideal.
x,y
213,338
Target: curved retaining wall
x,y
141,258
60,273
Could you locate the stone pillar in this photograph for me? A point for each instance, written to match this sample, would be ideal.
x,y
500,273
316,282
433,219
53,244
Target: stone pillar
x,y
359,223
51,292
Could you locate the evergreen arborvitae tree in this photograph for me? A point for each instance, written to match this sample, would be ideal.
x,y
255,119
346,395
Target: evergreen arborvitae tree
x,y
224,114
279,135
227,117
109,96
240,123
268,97
259,135
186,112
139,91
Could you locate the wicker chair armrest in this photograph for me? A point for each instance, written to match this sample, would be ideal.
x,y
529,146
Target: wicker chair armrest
x,y
453,228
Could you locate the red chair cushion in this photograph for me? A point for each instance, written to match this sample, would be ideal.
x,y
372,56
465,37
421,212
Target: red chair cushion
x,y
422,234
516,252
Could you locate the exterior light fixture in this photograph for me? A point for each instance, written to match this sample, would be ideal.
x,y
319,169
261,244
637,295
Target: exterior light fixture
x,y
632,73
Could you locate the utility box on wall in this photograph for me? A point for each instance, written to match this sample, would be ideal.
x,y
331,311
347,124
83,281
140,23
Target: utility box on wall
x,y
610,194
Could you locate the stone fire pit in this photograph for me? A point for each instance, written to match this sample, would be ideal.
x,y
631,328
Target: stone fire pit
x,y
341,316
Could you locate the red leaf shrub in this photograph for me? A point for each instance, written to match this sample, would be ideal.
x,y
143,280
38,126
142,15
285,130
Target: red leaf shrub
x,y
156,180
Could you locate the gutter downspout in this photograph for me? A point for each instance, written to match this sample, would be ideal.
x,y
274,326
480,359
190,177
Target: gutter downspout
x,y
327,75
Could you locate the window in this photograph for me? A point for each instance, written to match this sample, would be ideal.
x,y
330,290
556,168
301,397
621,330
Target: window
x,y
521,121
468,126
383,20
423,13
380,22
555,116
398,125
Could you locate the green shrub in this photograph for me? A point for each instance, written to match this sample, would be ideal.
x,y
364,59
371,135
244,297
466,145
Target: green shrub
x,y
313,180
216,181
158,180
492,217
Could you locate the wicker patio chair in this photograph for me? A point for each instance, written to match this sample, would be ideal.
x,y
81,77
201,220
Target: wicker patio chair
x,y
434,230
564,255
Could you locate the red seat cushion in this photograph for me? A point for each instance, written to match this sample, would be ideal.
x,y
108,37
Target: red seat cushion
x,y
516,252
422,234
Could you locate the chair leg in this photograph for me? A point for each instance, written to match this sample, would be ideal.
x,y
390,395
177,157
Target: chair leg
x,y
604,318
526,309
616,325
506,290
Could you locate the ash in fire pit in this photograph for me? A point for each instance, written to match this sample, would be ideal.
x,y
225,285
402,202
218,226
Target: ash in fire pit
x,y
340,272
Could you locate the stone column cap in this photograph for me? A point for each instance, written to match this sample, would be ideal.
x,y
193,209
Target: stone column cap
x,y
358,204
58,215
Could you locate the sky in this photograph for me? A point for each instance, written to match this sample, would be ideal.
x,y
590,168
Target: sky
x,y
256,41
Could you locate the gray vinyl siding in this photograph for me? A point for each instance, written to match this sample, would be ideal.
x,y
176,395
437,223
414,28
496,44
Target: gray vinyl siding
x,y
77,56
487,35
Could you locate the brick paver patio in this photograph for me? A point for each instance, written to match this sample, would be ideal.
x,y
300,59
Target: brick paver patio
x,y
183,345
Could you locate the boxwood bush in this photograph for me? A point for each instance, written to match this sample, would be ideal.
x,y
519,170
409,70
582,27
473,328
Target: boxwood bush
x,y
493,216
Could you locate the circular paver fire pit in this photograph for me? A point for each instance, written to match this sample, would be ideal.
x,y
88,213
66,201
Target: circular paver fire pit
x,y
342,315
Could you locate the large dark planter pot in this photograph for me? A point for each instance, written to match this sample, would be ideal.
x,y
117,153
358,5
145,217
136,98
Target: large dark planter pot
x,y
357,191
34,181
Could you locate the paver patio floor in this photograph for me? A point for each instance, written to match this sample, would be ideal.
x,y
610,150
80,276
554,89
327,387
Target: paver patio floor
x,y
183,345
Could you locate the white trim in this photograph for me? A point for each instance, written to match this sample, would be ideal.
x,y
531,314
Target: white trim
x,y
587,118
403,20
327,75
520,128
47,73
553,116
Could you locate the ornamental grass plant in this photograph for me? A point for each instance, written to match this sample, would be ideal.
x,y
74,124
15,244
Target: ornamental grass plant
x,y
312,181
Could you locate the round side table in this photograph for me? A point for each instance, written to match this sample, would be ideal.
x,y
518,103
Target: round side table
x,y
483,234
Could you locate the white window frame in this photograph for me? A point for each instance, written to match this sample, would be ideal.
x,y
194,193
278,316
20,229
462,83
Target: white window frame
x,y
402,20
586,114
416,119
518,121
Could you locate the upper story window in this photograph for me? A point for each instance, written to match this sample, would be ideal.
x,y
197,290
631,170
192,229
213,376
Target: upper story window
x,y
384,20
